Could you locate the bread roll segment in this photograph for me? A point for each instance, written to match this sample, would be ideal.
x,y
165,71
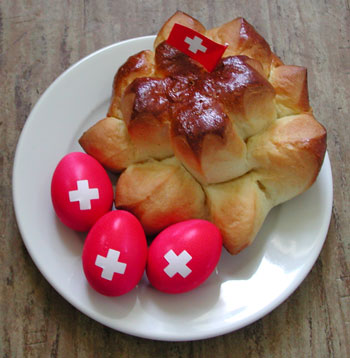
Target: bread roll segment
x,y
160,193
242,39
180,18
226,146
139,65
238,208
286,159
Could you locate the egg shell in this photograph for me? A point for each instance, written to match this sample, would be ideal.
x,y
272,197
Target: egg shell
x,y
193,248
115,253
80,176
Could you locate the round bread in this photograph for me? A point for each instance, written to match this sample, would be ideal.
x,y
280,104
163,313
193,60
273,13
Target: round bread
x,y
226,145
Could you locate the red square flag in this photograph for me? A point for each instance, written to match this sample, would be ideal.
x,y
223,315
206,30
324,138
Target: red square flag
x,y
196,45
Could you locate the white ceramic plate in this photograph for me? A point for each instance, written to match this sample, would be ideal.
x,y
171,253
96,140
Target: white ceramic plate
x,y
243,289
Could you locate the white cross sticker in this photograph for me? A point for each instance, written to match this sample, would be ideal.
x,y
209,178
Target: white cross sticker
x,y
195,44
83,194
177,264
110,264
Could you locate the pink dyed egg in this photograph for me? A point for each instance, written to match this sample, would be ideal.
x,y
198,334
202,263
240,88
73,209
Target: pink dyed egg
x,y
183,256
81,191
115,253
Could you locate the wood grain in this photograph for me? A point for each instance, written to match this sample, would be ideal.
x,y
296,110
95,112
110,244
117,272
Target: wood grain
x,y
39,39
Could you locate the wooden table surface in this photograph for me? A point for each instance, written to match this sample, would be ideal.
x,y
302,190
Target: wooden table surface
x,y
39,39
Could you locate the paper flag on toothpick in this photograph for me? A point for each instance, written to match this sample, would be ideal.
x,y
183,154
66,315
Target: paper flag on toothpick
x,y
196,45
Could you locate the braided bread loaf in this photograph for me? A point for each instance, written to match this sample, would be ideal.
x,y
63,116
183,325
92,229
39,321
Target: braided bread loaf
x,y
226,146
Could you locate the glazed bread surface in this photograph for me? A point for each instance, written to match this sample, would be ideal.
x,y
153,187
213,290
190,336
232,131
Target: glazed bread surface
x,y
226,145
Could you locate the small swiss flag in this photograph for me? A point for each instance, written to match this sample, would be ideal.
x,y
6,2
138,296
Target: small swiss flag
x,y
197,46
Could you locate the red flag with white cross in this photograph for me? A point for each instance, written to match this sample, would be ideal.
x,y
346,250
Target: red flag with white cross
x,y
196,45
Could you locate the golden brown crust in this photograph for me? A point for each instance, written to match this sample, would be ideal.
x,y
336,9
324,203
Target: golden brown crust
x,y
238,208
180,18
289,155
139,65
286,160
160,194
242,39
108,142
146,113
200,109
244,132
290,84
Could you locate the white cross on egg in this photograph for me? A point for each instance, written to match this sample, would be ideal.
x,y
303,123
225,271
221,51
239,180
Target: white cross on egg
x,y
110,264
83,194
